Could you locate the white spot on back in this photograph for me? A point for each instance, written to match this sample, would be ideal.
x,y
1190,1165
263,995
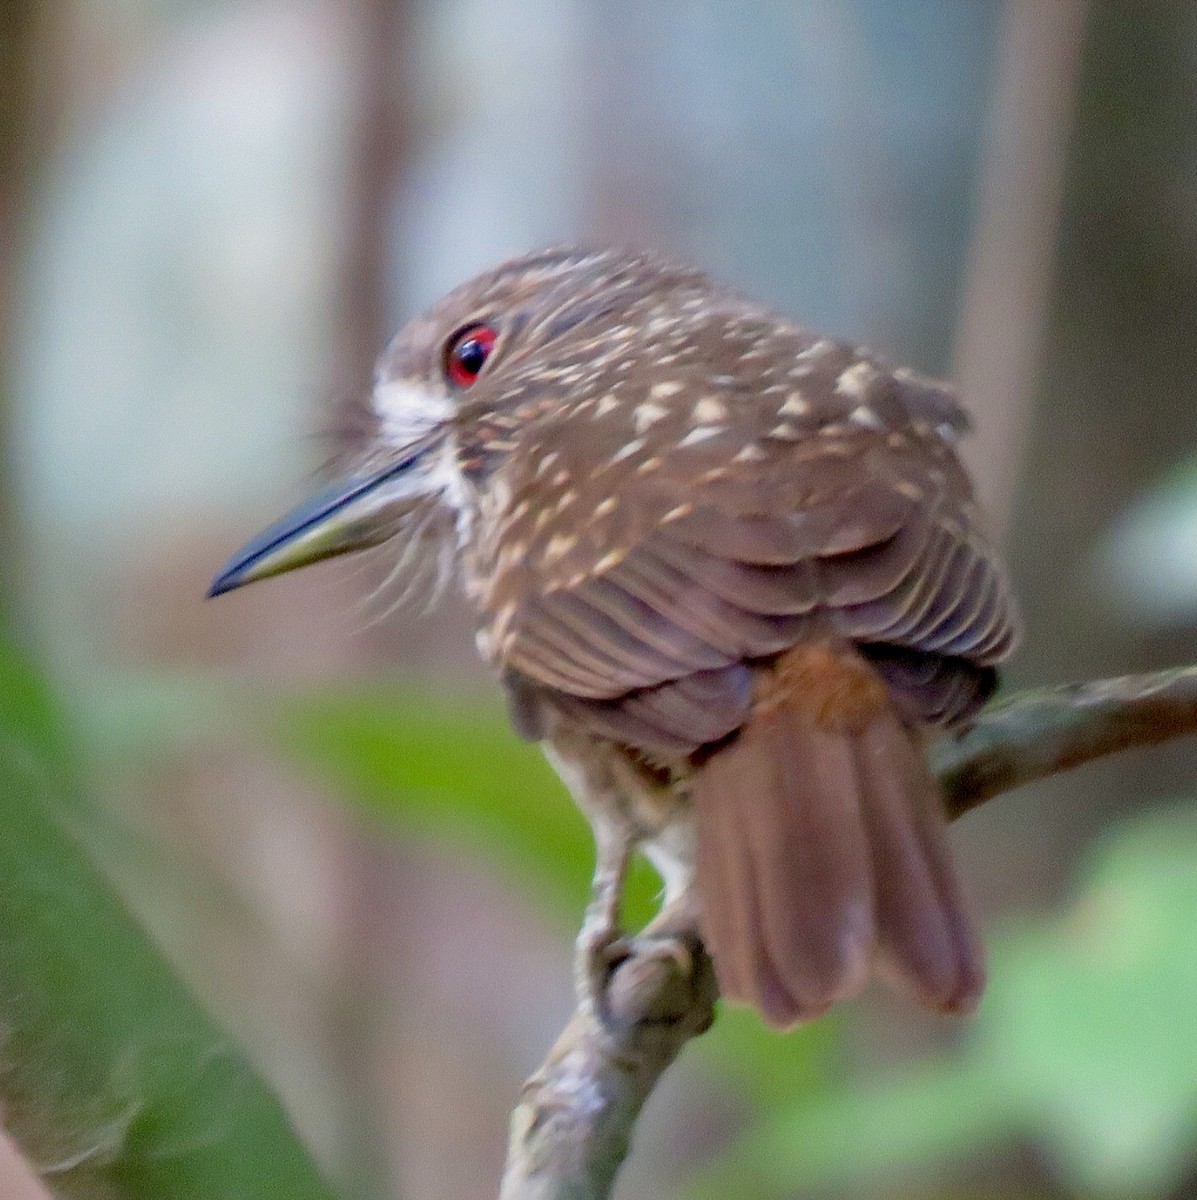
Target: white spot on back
x,y
709,411
785,432
611,559
750,453
865,417
628,449
504,617
701,433
855,380
796,405
648,414
607,404
816,349
665,389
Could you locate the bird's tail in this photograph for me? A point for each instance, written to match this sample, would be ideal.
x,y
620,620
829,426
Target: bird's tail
x,y
822,852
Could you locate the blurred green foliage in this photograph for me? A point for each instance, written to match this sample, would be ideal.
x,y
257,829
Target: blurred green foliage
x,y
1070,1046
450,770
453,769
1085,1042
112,1080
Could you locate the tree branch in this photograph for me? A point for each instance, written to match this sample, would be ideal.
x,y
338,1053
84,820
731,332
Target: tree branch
x,y
1039,733
573,1126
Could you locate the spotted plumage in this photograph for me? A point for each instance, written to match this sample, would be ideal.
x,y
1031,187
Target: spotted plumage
x,y
729,571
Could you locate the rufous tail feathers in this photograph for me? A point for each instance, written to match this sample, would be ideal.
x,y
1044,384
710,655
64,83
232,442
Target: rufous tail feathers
x,y
822,853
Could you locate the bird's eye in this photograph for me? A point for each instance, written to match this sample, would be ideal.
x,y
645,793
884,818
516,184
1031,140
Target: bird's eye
x,y
466,354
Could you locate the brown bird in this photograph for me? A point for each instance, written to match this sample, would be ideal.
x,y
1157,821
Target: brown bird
x,y
730,573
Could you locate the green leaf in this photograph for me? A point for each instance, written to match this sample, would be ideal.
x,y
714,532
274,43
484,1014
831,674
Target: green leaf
x,y
112,1080
1092,1018
843,1137
32,725
772,1070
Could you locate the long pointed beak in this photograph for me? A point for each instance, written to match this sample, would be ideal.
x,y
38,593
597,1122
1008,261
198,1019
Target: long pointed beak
x,y
349,515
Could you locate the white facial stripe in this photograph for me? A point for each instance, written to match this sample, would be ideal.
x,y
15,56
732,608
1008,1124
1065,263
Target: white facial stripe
x,y
446,477
408,412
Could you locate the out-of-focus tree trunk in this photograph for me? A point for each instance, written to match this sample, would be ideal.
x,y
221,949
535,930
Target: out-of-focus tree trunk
x,y
1013,262
1119,361
380,134
18,29
380,128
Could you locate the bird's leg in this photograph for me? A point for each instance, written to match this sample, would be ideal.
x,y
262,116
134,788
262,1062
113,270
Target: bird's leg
x,y
601,944
674,932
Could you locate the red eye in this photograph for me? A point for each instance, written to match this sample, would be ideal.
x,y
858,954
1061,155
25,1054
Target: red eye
x,y
467,354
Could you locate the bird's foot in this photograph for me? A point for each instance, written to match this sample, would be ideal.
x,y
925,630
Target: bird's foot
x,y
648,977
664,952
599,951
649,981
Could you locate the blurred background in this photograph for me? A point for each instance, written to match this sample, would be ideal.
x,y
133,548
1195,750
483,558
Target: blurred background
x,y
212,217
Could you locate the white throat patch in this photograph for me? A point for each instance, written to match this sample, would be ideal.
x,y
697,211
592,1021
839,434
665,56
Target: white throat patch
x,y
409,414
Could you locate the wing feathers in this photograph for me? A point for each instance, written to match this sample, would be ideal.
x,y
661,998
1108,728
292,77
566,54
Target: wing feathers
x,y
703,707
759,540
670,720
700,613
636,632
872,574
603,658
928,688
873,545
790,589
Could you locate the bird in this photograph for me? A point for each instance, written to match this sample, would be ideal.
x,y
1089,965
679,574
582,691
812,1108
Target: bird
x,y
731,575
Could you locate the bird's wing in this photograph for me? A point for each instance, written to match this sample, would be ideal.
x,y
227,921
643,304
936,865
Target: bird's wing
x,y
643,579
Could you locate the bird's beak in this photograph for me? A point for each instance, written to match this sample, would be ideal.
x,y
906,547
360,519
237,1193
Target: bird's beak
x,y
349,515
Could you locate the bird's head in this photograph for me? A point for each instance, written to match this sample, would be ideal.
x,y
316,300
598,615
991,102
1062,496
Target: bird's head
x,y
495,363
